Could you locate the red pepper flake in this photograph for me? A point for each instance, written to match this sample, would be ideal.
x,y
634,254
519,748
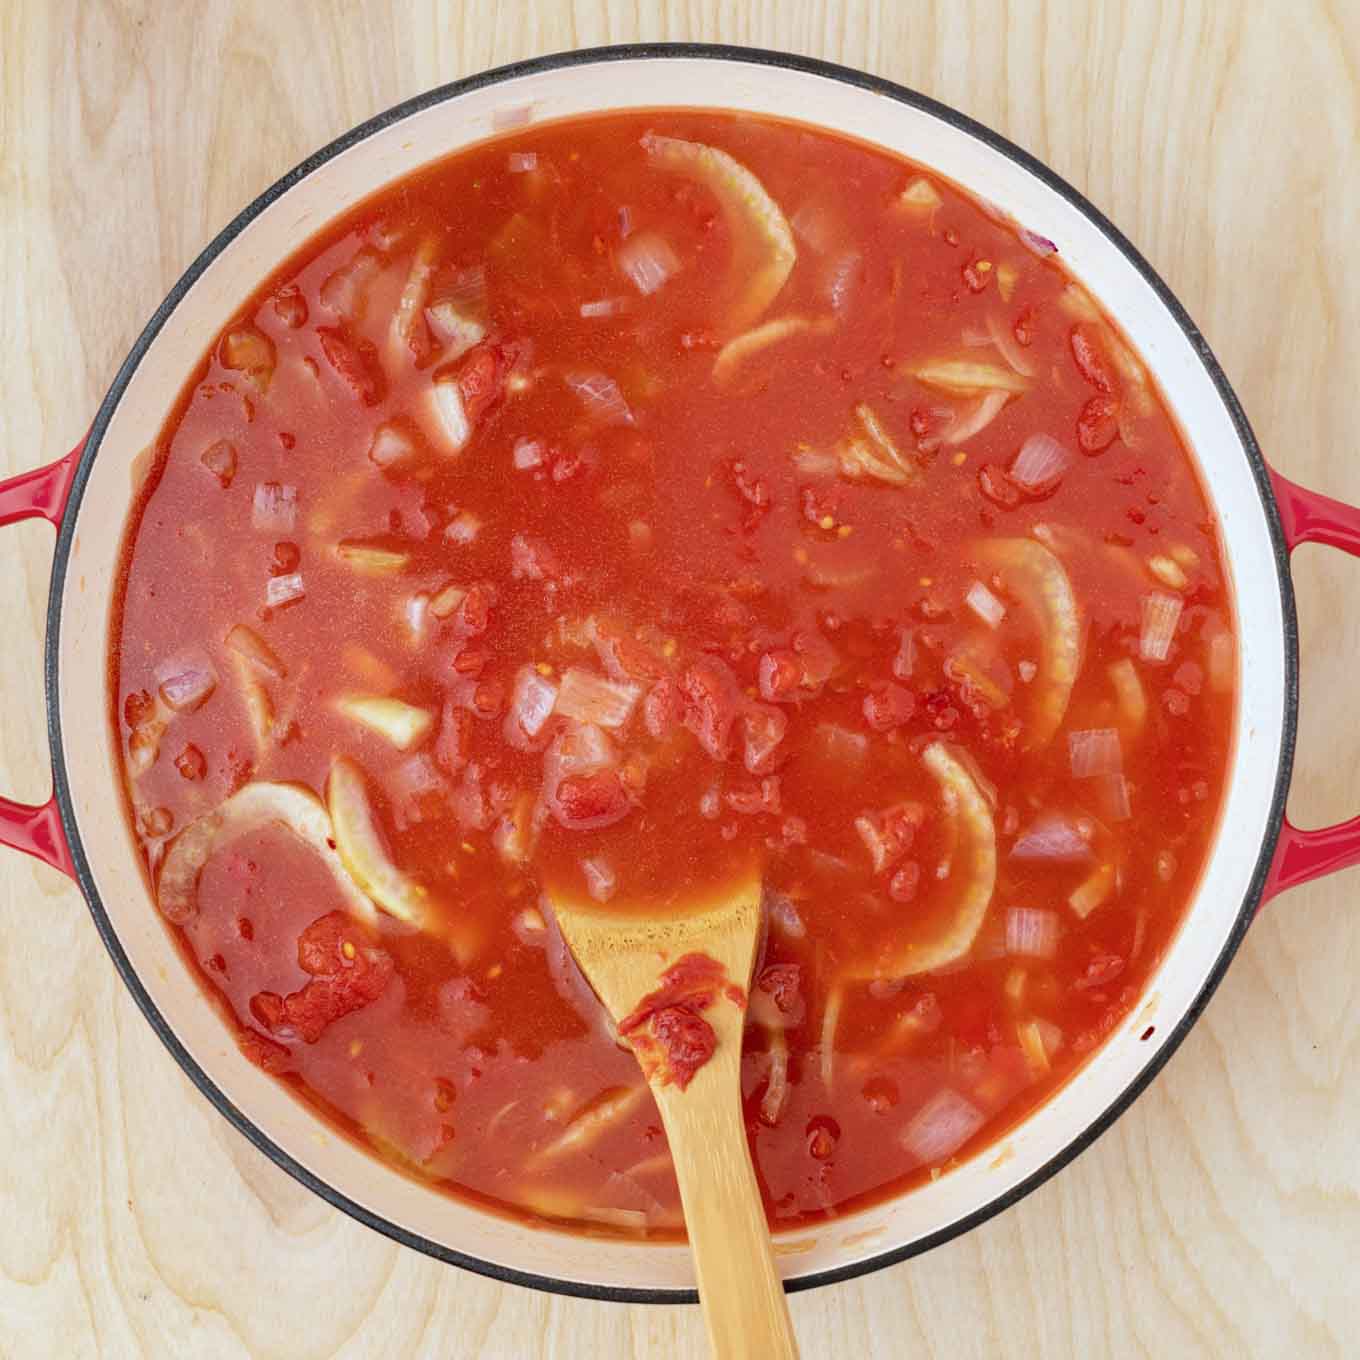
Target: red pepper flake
x,y
667,1029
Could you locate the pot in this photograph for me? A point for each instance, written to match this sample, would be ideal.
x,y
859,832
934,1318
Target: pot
x,y
87,494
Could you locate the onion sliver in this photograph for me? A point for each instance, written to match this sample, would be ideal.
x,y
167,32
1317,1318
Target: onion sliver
x,y
361,851
975,863
1039,582
763,251
741,347
257,805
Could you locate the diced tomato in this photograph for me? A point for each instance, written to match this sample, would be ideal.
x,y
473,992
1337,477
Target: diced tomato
x,y
623,656
474,613
818,658
1090,359
264,1053
662,708
531,559
481,379
887,706
488,698
1098,424
469,660
782,982
751,799
995,483
455,738
584,802
356,361
905,881
765,728
712,701
681,1043
779,676
1102,969
347,973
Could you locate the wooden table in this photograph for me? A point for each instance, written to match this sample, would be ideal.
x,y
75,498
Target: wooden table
x,y
1221,1216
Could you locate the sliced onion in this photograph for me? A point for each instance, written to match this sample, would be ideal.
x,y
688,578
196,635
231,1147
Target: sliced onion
x,y
968,377
1032,932
826,1043
274,509
812,463
1052,838
186,681
648,261
601,397
282,590
467,290
1032,1045
941,1127
740,348
1039,465
415,294
591,1123
601,880
247,643
776,1095
531,705
589,698
1009,347
976,418
763,252
446,403
359,845
1031,574
904,663
370,559
984,604
876,457
1094,751
1161,614
402,724
344,291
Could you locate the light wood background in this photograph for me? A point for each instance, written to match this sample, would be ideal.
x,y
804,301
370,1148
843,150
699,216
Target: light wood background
x,y
1221,1217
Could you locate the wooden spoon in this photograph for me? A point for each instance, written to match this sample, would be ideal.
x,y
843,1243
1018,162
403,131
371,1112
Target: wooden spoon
x,y
666,979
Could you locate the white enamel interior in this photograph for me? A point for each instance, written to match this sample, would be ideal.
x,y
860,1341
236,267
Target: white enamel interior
x,y
391,153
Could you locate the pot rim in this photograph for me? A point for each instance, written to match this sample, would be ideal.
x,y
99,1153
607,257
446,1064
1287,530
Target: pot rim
x,y
603,56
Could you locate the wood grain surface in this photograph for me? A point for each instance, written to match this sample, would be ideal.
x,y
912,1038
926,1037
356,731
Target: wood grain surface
x,y
1221,1216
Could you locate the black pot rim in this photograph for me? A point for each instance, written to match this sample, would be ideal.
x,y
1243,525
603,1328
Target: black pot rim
x,y
604,55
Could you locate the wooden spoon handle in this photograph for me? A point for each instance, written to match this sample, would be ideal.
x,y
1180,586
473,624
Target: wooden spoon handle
x,y
740,1289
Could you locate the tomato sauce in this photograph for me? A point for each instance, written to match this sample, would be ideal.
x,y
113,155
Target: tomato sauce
x,y
610,505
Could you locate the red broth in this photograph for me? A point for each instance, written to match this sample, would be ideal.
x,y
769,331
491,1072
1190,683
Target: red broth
x,y
581,511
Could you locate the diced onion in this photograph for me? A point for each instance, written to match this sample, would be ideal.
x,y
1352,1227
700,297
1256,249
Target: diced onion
x,y
1112,797
454,331
840,746
1128,689
1040,245
1032,932
1093,891
186,681
813,463
904,663
414,293
601,397
1168,571
648,261
1221,662
343,292
463,528
415,613
521,162
604,307
1039,464
984,604
402,724
369,559
446,400
531,705
389,445
920,196
282,590
446,600
1033,1046
941,1127
589,698
601,880
527,454
1161,614
274,509
1094,751
1051,837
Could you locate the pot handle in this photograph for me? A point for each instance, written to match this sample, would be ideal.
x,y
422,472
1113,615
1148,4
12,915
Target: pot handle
x,y
1300,856
36,828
